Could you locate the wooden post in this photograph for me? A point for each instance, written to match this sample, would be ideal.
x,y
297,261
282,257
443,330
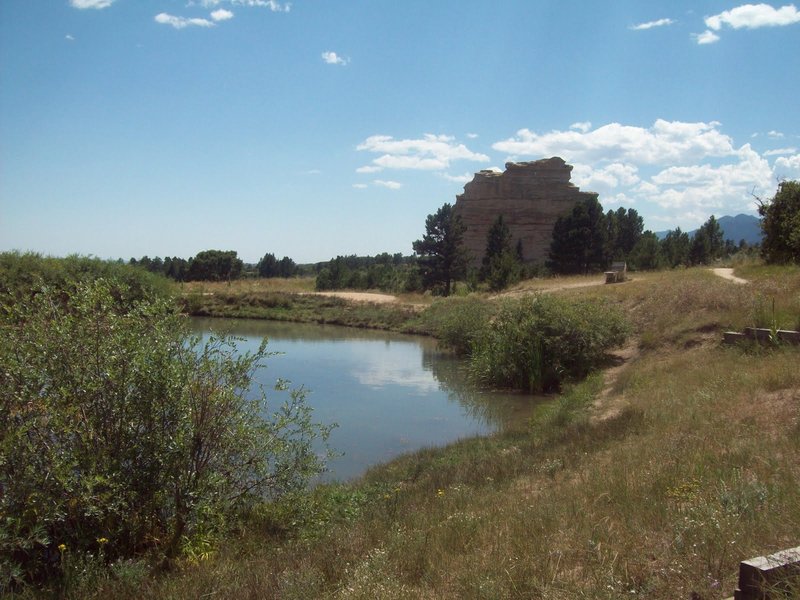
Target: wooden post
x,y
763,577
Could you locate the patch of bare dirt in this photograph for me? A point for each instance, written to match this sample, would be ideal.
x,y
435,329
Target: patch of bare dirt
x,y
727,273
361,297
553,285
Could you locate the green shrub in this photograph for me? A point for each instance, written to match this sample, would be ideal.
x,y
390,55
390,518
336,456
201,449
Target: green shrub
x,y
23,274
457,321
120,435
536,342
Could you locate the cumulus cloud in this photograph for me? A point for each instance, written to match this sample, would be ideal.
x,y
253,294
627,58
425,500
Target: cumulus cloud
x,y
753,16
181,22
775,134
652,24
429,153
69,38
664,142
369,169
780,151
707,37
583,126
221,14
83,4
392,185
465,178
472,136
272,5
606,178
677,167
788,167
332,58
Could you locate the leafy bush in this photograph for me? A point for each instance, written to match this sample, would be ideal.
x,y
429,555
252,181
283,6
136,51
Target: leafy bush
x,y
535,342
120,435
22,275
456,321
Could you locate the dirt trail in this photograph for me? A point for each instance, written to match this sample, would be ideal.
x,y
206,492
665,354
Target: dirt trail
x,y
606,405
553,286
726,273
361,297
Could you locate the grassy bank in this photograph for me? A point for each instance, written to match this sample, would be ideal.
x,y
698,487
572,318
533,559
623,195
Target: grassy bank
x,y
652,481
294,300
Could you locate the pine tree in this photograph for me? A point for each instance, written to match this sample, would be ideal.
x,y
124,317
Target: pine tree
x,y
443,258
579,239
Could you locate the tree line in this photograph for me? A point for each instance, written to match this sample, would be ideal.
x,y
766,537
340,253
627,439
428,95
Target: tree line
x,y
586,240
216,265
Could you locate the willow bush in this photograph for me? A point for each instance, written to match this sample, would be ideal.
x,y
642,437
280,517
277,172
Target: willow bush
x,y
121,436
536,342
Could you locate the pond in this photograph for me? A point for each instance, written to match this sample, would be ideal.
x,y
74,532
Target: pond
x,y
388,393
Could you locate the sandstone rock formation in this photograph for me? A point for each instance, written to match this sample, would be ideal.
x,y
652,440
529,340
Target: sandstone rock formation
x,y
530,196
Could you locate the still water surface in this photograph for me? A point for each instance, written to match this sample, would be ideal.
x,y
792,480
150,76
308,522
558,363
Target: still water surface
x,y
389,393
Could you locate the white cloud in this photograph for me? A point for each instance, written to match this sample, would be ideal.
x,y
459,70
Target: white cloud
x,y
727,186
369,169
360,186
788,167
181,22
429,153
605,179
273,5
69,37
332,58
707,37
780,151
465,178
221,14
392,185
472,136
665,142
83,4
753,16
582,126
775,134
651,24
682,169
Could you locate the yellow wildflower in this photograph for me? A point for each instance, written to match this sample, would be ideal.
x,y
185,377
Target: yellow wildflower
x,y
62,547
102,540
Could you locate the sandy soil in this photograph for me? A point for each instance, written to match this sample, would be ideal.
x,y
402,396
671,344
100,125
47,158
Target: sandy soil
x,y
361,297
728,274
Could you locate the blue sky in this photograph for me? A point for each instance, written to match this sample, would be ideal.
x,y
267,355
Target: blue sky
x,y
317,128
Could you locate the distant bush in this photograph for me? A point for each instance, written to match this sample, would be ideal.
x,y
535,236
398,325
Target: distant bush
x,y
23,274
534,343
120,435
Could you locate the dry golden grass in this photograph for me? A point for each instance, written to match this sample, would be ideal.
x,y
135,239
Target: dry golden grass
x,y
249,286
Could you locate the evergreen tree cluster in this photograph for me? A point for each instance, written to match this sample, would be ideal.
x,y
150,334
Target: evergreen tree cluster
x,y
502,262
386,272
269,266
216,265
780,221
589,240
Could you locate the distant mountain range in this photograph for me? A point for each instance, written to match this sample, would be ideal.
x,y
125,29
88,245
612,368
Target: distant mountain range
x,y
740,227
